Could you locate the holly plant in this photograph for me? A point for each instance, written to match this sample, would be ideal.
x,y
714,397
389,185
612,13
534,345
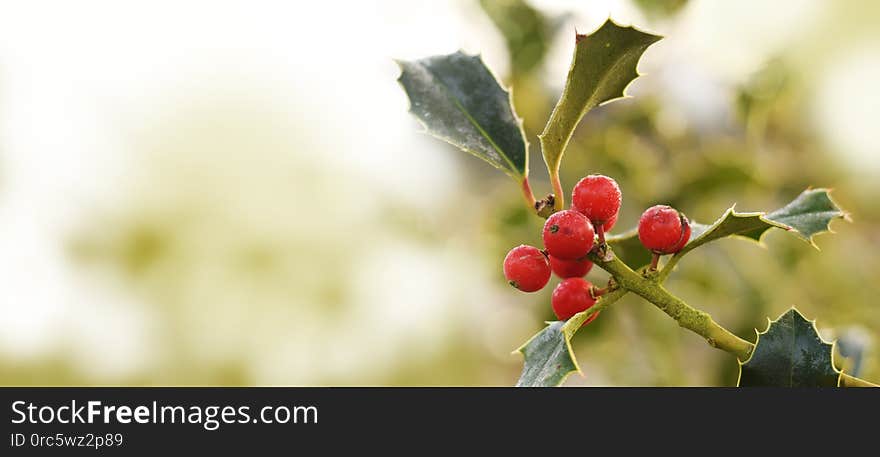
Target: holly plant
x,y
457,99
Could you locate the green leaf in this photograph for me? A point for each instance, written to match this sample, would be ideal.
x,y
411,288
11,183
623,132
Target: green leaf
x,y
526,31
790,353
604,63
548,358
458,100
806,216
548,355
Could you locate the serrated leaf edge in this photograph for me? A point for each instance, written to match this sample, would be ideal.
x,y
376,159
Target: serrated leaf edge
x,y
565,375
508,90
623,93
843,214
732,212
770,322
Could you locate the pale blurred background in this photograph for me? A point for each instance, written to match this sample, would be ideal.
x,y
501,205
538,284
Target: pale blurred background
x,y
233,193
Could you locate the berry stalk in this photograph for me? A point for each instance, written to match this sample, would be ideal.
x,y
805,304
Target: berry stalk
x,y
600,232
558,193
597,292
655,260
527,193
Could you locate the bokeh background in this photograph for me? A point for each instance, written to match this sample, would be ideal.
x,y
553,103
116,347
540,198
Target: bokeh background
x,y
233,193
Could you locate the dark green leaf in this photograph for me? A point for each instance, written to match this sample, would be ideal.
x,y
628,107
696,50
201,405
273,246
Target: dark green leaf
x,y
458,100
548,355
604,63
807,215
526,31
790,353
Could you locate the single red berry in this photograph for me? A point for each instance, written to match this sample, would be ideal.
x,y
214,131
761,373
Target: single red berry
x,y
571,297
570,268
662,229
568,235
526,268
597,197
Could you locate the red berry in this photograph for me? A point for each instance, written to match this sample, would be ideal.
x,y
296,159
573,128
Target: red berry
x,y
571,297
570,268
568,235
663,230
526,268
597,197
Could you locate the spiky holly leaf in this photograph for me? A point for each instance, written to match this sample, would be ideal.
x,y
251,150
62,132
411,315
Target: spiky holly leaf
x,y
548,355
458,100
604,64
548,358
807,215
790,353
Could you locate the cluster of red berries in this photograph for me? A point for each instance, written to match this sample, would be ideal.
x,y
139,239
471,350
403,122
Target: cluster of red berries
x,y
570,235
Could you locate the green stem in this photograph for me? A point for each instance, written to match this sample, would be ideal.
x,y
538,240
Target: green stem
x,y
670,265
574,323
845,379
688,317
